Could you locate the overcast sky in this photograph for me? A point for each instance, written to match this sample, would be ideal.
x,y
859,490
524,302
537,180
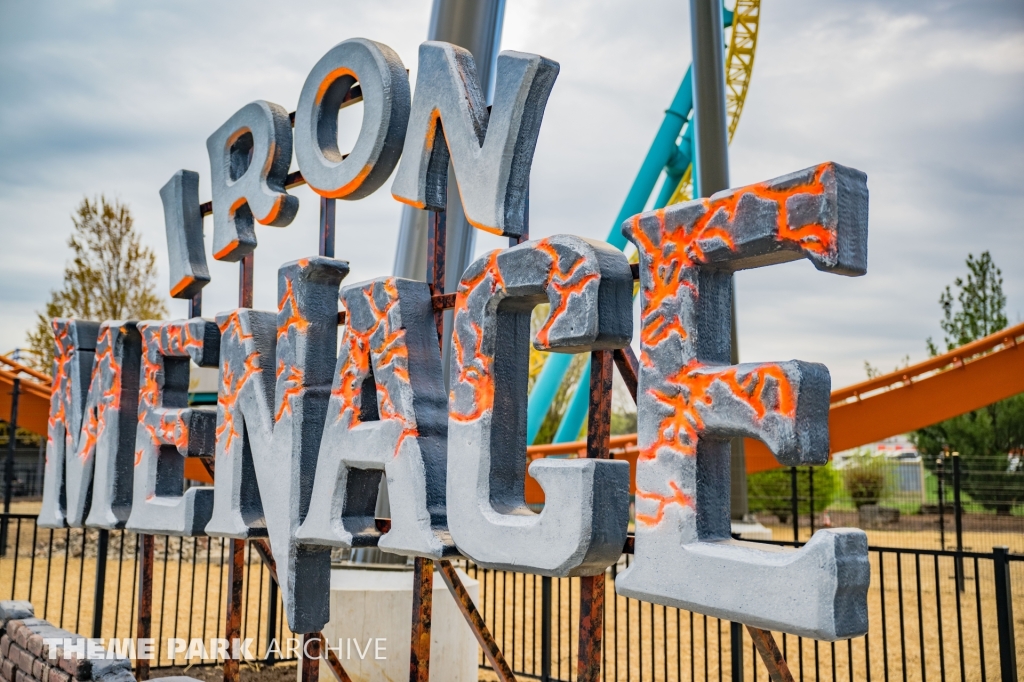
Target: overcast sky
x,y
926,97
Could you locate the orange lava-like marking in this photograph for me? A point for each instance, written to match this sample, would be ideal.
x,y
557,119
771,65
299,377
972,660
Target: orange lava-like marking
x,y
681,249
95,420
180,286
228,395
677,497
561,281
295,319
293,389
60,392
329,80
391,351
226,251
350,186
477,373
680,430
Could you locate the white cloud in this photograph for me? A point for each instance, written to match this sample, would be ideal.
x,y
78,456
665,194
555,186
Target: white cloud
x,y
926,98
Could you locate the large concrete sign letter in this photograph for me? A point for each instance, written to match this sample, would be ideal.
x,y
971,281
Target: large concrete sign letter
x,y
72,367
385,92
249,158
389,412
169,430
271,407
491,154
582,527
184,224
106,447
690,401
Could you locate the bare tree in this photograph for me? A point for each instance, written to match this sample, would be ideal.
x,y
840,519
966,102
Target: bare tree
x,y
111,277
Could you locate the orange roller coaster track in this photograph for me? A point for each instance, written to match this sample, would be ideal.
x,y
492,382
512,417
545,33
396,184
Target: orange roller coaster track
x,y
964,379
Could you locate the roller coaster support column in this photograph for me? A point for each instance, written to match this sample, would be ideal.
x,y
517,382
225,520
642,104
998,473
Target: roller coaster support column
x,y
711,167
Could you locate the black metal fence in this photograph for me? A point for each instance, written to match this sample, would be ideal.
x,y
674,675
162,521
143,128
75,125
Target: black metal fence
x,y
911,505
934,614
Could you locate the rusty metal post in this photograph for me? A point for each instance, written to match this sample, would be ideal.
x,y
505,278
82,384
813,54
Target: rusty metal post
x,y
476,621
327,227
12,431
422,596
144,624
195,305
423,569
310,656
592,588
233,619
245,281
778,669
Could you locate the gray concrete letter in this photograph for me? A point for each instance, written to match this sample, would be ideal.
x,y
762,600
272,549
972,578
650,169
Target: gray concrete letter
x,y
183,221
582,527
249,158
691,401
385,87
491,154
169,430
388,412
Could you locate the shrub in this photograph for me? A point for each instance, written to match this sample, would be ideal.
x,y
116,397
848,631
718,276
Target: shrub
x,y
771,491
864,478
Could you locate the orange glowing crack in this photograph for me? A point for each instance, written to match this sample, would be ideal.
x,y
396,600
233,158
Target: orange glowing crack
x,y
293,388
295,320
561,282
676,497
390,351
227,397
476,373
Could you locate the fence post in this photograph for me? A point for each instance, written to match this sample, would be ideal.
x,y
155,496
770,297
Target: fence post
x,y
143,628
810,484
270,659
736,647
957,517
12,431
1004,614
940,470
102,542
795,506
545,629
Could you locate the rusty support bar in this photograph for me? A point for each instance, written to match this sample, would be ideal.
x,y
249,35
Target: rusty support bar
x,y
436,242
144,624
422,597
773,659
310,656
327,227
233,618
629,368
592,588
195,305
335,666
600,410
245,281
476,621
262,548
588,666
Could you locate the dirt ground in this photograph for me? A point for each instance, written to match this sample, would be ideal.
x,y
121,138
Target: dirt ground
x,y
923,591
281,672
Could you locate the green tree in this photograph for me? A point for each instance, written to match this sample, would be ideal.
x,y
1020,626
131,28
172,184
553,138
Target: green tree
x,y
111,277
990,440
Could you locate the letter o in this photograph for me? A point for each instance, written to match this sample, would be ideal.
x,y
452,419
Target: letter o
x,y
386,102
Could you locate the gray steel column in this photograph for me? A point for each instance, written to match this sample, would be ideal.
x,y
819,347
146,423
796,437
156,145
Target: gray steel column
x,y
476,26
711,170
